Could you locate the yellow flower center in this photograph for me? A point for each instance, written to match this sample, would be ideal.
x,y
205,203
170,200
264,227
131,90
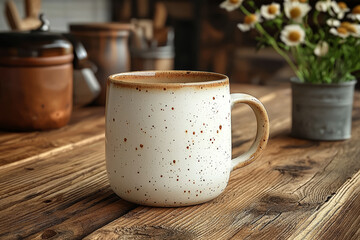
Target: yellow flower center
x,y
294,36
303,1
342,5
249,19
295,12
342,30
233,1
272,9
349,27
356,10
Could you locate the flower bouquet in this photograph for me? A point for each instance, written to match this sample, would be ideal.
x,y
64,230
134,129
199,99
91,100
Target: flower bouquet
x,y
321,43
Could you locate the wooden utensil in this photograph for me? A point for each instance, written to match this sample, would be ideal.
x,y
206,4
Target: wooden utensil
x,y
30,22
160,15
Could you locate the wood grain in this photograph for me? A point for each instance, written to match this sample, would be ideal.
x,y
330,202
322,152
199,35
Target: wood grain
x,y
68,191
268,199
297,189
61,190
333,220
85,123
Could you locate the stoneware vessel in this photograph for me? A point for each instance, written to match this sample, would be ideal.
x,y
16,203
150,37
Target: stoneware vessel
x,y
36,80
107,47
168,136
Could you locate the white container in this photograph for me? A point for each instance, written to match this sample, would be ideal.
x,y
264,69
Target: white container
x,y
168,136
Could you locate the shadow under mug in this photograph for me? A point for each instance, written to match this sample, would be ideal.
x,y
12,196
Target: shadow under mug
x,y
168,136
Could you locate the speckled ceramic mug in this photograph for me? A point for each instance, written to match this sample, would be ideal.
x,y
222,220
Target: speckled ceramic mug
x,y
168,136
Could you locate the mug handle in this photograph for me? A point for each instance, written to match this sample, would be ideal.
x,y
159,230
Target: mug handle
x,y
262,133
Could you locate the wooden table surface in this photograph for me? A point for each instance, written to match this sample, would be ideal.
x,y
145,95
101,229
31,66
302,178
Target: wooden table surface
x,y
53,185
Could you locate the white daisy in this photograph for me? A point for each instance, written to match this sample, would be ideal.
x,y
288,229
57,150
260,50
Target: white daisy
x,y
301,1
292,35
338,9
355,13
321,49
340,32
323,6
231,5
249,22
332,22
353,29
270,11
296,10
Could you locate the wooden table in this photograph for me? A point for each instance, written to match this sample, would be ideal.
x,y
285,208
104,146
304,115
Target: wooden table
x,y
53,185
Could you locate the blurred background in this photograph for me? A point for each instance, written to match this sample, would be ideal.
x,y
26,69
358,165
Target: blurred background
x,y
206,36
68,49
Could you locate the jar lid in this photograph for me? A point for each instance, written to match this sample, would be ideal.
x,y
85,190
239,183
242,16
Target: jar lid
x,y
108,26
35,43
40,44
101,29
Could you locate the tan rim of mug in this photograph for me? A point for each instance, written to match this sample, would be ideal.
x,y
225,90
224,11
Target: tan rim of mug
x,y
169,79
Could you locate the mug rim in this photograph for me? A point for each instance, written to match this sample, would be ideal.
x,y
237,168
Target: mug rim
x,y
211,78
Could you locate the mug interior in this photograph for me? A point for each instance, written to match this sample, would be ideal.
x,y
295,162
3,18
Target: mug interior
x,y
168,77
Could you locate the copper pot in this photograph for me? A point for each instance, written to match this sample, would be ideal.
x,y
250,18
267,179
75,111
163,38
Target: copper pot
x,y
107,47
35,81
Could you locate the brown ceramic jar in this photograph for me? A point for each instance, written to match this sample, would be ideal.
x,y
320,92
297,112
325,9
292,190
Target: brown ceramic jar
x,y
108,48
35,81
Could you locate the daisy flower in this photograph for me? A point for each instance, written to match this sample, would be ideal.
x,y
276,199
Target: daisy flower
x,y
296,10
292,35
321,49
355,13
249,22
332,22
301,1
270,11
323,6
353,29
340,32
338,9
231,5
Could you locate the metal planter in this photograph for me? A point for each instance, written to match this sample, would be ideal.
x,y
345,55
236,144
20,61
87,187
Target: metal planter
x,y
322,111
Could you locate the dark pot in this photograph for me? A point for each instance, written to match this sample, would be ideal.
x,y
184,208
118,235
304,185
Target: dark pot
x,y
322,111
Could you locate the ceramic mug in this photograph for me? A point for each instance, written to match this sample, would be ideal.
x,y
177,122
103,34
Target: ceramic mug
x,y
168,136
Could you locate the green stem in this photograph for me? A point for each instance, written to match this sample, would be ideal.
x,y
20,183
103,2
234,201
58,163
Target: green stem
x,y
273,43
244,10
315,18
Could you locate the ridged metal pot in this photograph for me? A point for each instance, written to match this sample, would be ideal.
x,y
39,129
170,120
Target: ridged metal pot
x,y
322,111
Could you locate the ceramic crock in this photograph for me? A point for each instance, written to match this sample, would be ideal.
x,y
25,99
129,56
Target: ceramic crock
x,y
107,47
35,80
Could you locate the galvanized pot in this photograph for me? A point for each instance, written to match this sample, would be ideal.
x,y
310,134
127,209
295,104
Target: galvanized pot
x,y
322,111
